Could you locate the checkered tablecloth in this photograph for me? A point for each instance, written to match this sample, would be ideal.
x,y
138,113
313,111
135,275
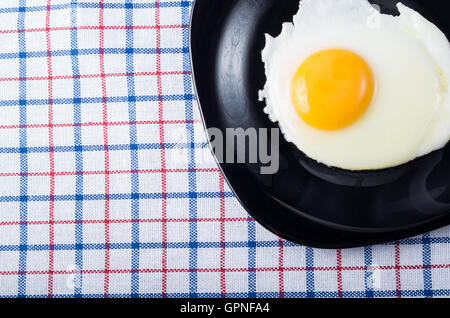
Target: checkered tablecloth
x,y
108,188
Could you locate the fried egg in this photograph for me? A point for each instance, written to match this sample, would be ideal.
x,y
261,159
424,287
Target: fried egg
x,y
356,89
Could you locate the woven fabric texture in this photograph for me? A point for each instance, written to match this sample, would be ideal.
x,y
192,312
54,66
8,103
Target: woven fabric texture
x,y
107,185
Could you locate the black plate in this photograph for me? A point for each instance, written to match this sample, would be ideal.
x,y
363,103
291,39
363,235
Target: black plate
x,y
306,202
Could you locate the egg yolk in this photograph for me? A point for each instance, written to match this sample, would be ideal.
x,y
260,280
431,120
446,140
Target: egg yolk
x,y
332,89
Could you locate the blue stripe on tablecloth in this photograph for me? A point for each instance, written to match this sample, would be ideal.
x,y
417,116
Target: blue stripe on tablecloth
x,y
368,272
152,146
23,156
150,245
318,294
78,153
426,259
87,100
93,5
155,245
310,290
230,244
118,51
189,113
251,226
134,150
114,196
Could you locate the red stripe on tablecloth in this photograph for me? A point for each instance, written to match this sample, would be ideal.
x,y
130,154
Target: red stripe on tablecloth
x,y
98,172
168,220
94,27
105,141
223,289
60,77
116,123
339,272
51,151
163,152
281,267
227,270
398,284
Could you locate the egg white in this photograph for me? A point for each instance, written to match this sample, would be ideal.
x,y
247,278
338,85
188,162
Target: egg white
x,y
409,115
